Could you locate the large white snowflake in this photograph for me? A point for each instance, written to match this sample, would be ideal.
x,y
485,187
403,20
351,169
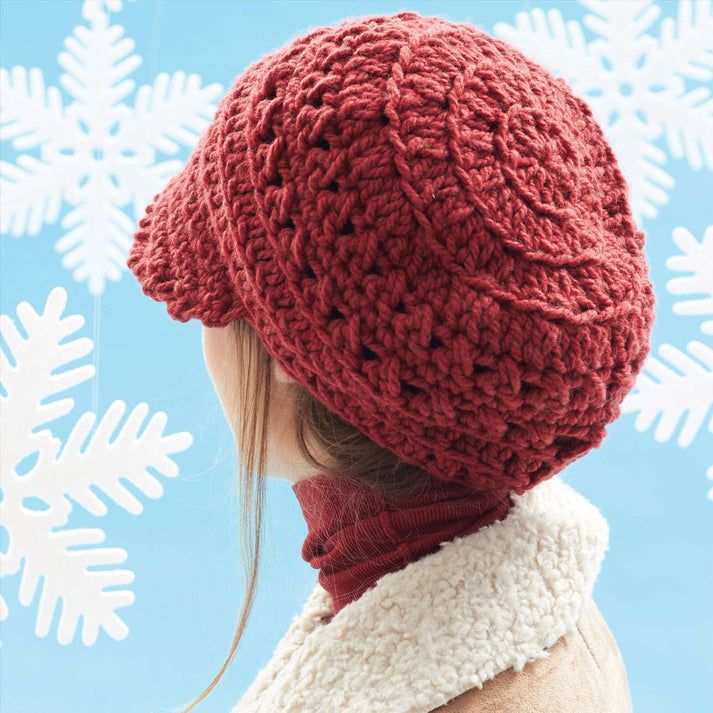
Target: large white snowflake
x,y
38,474
97,154
634,81
678,386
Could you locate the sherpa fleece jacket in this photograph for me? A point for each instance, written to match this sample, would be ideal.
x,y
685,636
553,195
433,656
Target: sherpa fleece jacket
x,y
501,620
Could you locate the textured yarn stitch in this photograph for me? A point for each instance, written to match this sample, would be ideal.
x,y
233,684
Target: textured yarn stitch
x,y
429,232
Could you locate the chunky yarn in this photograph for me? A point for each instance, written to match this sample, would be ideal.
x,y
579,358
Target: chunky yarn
x,y
429,232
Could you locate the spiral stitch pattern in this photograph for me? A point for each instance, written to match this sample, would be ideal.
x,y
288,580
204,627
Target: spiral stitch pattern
x,y
428,231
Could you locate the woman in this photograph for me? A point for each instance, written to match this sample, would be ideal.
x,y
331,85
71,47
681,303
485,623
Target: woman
x,y
423,295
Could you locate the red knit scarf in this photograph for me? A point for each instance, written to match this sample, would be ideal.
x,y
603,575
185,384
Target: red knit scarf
x,y
355,536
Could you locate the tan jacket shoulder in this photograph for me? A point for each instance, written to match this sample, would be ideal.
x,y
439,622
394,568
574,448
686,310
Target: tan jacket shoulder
x,y
584,672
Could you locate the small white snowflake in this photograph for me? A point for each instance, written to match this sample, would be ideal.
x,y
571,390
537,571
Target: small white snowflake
x,y
634,81
38,474
682,391
97,154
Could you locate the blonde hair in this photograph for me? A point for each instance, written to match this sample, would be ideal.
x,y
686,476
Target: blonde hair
x,y
344,452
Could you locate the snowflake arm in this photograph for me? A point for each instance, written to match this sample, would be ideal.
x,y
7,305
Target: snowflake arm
x,y
30,380
685,395
641,162
97,242
684,50
91,7
104,462
31,194
687,120
67,575
170,113
618,23
696,259
558,45
685,45
30,114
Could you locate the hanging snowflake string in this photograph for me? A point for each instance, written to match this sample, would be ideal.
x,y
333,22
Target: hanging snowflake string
x,y
635,82
39,474
97,154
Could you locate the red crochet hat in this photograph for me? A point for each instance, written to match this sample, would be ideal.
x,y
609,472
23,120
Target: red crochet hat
x,y
428,231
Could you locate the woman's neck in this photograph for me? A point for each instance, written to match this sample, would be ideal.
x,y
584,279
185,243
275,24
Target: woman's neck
x,y
355,535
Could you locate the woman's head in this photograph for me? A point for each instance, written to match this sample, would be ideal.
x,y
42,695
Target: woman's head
x,y
431,236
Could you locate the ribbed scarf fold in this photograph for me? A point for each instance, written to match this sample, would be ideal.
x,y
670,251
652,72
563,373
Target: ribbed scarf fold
x,y
355,535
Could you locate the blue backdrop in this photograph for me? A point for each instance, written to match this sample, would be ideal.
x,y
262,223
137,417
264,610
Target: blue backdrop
x,y
656,587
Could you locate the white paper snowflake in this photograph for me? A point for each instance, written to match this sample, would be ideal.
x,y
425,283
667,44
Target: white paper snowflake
x,y
97,154
38,474
634,81
681,392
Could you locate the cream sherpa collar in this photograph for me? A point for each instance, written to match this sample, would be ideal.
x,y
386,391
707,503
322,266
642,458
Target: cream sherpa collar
x,y
446,623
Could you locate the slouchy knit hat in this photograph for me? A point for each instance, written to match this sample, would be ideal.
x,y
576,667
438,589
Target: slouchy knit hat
x,y
429,232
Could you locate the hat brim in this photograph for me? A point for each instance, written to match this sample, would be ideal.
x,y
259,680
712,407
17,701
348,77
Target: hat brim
x,y
176,253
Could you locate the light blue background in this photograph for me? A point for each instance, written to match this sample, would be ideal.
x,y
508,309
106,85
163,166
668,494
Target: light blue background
x,y
656,587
